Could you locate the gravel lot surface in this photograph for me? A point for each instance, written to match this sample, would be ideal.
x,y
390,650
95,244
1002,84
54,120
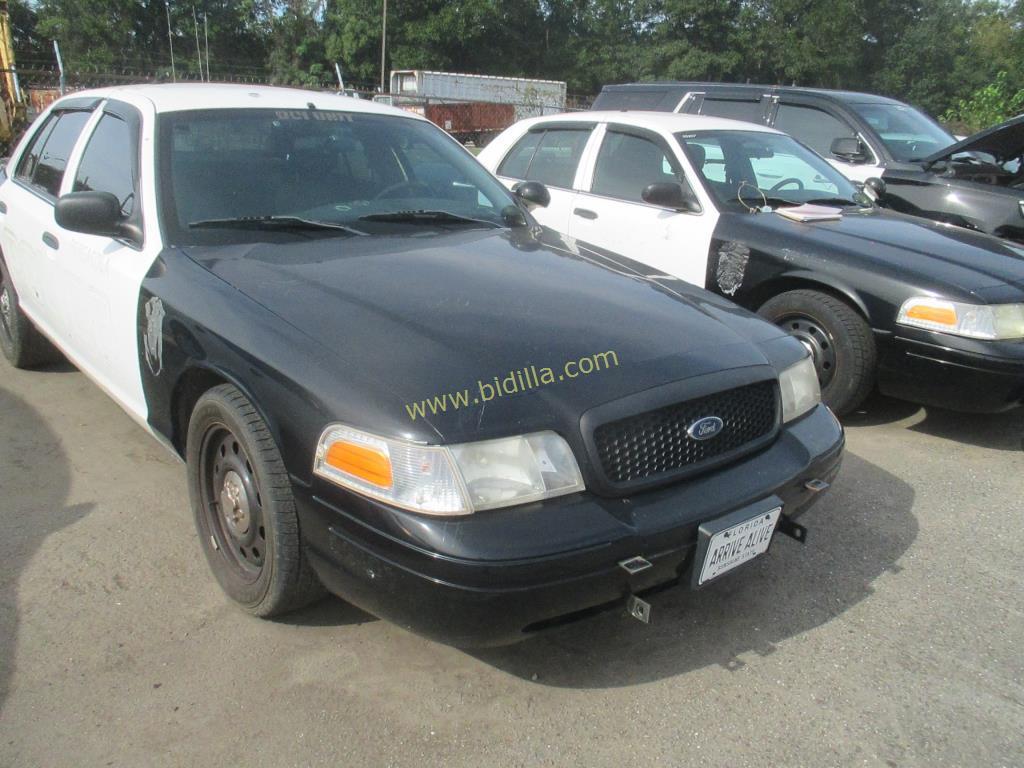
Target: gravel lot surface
x,y
895,637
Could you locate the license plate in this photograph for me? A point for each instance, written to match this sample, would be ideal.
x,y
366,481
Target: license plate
x,y
739,543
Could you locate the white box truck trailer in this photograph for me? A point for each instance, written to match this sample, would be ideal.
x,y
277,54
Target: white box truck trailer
x,y
530,98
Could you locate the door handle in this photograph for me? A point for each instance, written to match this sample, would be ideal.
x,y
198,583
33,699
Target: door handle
x,y
585,213
3,207
51,241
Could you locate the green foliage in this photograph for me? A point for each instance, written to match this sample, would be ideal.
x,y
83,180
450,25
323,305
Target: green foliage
x,y
934,53
989,105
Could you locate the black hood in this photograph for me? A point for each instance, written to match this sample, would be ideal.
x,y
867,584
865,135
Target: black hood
x,y
933,255
427,314
1005,141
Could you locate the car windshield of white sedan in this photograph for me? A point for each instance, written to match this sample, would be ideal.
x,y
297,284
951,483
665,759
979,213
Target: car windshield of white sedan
x,y
906,133
240,175
752,169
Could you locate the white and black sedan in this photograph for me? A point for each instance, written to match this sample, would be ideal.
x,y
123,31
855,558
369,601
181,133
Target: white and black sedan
x,y
384,377
929,312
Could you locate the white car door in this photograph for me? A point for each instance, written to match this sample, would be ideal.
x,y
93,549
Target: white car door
x,y
610,213
550,153
28,235
101,276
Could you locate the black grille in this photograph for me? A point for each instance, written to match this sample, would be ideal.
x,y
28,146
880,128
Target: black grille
x,y
655,443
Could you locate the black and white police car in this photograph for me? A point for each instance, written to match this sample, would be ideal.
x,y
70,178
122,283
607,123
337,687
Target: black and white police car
x,y
266,279
930,312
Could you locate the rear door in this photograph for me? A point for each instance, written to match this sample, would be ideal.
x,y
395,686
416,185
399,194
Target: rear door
x,y
28,237
550,153
748,106
611,213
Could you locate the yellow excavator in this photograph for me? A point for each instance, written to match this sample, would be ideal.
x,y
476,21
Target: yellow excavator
x,y
12,98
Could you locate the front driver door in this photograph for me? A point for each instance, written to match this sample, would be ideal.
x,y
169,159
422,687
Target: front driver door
x,y
612,214
102,276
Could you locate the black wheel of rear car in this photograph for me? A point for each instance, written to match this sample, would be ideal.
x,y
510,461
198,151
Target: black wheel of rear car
x,y
22,344
838,338
243,506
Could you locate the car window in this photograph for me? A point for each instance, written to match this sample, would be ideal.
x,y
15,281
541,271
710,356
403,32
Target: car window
x,y
734,109
106,164
517,162
907,133
814,127
557,156
53,158
30,158
330,166
627,163
739,167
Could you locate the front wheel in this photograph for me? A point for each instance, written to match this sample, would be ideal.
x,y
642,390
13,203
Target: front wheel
x,y
838,338
243,505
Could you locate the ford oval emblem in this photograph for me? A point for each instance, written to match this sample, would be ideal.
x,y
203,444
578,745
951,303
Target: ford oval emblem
x,y
706,428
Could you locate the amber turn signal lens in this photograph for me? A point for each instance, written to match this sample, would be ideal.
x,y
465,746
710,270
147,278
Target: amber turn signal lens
x,y
940,315
362,462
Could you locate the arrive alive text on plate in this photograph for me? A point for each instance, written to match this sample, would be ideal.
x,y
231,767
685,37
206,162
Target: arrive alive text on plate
x,y
739,544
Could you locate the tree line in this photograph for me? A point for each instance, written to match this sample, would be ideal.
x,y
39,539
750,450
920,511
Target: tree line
x,y
937,54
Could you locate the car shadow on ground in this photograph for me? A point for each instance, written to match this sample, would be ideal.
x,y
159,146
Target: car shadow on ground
x,y
997,431
29,510
857,535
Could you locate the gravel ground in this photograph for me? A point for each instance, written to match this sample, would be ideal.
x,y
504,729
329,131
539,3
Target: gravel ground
x,y
893,638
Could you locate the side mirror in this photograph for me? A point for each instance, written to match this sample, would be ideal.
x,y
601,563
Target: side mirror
x,y
849,149
874,188
671,195
93,213
532,193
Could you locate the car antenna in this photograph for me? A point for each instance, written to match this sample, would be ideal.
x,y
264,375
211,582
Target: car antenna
x,y
310,105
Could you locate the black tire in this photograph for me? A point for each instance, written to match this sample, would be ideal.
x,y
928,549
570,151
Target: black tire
x,y
254,549
22,344
838,338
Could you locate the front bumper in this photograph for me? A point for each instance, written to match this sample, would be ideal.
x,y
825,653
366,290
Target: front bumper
x,y
959,374
496,577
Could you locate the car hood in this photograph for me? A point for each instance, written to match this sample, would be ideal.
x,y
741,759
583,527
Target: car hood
x,y
1005,141
427,314
934,255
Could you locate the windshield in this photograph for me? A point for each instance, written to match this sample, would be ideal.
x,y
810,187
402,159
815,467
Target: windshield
x,y
744,169
282,171
908,134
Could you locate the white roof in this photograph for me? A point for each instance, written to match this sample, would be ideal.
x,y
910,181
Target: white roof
x,y
664,122
175,97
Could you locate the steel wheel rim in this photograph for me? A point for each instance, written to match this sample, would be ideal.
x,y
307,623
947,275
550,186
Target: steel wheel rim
x,y
232,502
816,340
6,307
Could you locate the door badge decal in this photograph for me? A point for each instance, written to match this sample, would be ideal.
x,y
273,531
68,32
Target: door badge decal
x,y
153,341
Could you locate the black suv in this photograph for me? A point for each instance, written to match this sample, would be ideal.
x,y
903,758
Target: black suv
x,y
976,183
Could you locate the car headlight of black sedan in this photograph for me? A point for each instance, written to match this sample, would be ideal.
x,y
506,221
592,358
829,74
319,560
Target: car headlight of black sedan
x,y
448,480
991,322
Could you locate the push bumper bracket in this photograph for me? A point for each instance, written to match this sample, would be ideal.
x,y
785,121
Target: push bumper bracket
x,y
792,529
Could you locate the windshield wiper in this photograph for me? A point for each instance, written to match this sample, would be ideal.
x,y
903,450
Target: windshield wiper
x,y
832,201
426,217
273,222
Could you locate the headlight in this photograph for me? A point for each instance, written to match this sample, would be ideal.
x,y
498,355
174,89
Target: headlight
x,y
800,389
448,480
975,321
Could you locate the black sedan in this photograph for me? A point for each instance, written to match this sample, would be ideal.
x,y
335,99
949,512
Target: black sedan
x,y
384,377
976,183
